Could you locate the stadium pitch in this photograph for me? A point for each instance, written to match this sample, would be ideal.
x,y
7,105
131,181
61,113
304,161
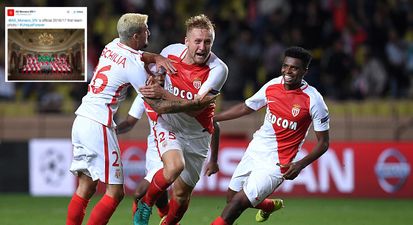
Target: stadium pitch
x,y
18,209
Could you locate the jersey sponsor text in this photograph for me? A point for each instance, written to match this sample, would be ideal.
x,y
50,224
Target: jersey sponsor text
x,y
180,93
281,122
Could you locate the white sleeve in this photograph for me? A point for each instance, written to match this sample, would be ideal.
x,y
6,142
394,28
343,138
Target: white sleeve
x,y
319,113
258,100
136,73
216,79
174,49
137,108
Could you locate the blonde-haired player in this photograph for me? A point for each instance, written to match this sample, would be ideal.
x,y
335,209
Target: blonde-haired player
x,y
183,138
96,154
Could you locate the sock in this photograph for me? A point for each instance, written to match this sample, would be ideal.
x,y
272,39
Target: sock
x,y
156,188
163,211
76,210
176,212
267,205
163,204
134,207
219,221
102,211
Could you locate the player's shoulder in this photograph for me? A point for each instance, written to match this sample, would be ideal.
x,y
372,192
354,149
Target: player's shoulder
x,y
173,49
311,91
126,50
274,81
214,62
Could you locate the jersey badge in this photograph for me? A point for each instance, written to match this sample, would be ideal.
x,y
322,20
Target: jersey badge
x,y
118,173
295,110
197,84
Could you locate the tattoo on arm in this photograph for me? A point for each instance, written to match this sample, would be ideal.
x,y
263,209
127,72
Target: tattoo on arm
x,y
170,106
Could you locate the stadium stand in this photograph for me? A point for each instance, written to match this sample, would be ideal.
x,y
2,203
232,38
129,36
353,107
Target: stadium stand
x,y
363,59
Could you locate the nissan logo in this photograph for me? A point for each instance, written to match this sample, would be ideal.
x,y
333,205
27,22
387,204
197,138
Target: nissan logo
x,y
392,170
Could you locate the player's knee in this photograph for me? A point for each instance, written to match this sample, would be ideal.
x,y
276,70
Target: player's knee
x,y
230,195
173,171
229,198
86,191
91,190
240,201
118,195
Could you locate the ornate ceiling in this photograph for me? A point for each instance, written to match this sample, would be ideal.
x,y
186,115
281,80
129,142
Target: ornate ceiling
x,y
45,40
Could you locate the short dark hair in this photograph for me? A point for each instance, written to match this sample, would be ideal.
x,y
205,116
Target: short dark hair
x,y
299,53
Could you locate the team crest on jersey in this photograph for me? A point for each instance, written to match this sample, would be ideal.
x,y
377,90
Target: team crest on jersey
x,y
118,173
197,84
295,110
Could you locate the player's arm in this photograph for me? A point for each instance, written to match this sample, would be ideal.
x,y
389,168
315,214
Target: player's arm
x,y
161,62
252,104
169,103
294,168
163,106
212,167
126,125
234,112
161,101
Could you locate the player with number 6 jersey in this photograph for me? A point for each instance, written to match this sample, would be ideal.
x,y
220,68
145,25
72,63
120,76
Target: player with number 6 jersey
x,y
96,153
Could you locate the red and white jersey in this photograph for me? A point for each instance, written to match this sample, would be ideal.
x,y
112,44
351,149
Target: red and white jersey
x,y
136,110
188,81
288,118
119,67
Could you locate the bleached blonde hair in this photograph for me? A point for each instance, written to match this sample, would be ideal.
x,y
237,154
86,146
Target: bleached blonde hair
x,y
131,23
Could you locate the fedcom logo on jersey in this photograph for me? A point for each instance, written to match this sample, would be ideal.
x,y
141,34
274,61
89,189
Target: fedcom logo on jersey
x,y
281,122
180,93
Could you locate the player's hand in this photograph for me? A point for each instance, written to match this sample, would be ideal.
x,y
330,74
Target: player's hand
x,y
294,168
164,65
211,168
205,100
153,90
202,103
151,80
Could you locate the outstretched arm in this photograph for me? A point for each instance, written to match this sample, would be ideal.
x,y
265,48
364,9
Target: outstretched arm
x,y
234,112
294,168
212,167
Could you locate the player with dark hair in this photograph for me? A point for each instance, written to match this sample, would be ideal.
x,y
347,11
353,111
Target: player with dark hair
x,y
96,154
291,106
183,138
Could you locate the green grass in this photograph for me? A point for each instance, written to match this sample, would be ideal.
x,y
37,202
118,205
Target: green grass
x,y
26,210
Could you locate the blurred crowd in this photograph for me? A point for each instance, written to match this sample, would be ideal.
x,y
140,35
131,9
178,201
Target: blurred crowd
x,y
362,48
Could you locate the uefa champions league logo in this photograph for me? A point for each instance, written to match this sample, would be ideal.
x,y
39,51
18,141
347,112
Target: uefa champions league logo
x,y
392,170
53,166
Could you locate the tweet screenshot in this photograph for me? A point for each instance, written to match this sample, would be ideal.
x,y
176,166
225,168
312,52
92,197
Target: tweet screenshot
x,y
45,44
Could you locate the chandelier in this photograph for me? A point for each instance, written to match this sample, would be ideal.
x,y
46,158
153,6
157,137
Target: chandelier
x,y
46,39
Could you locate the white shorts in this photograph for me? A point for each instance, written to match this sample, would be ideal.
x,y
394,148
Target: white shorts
x,y
258,178
153,161
195,151
96,151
